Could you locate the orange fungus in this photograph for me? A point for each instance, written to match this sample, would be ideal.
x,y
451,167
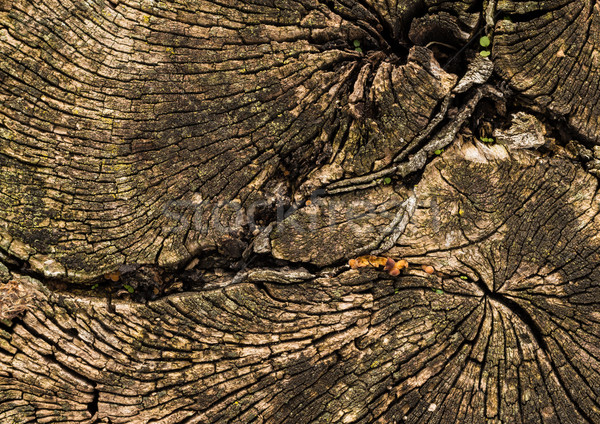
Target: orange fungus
x,y
389,264
428,269
402,263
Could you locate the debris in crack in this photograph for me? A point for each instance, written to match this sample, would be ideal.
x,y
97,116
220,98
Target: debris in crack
x,y
525,132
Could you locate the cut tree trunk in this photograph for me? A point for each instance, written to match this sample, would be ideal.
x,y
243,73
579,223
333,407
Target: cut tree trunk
x,y
204,207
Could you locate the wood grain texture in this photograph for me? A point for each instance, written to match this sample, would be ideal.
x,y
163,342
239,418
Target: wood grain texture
x,y
183,184
506,326
133,133
549,52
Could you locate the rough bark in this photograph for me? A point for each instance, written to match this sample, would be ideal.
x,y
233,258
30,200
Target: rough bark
x,y
183,184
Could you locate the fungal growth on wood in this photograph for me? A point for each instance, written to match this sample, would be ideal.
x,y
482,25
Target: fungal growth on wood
x,y
299,211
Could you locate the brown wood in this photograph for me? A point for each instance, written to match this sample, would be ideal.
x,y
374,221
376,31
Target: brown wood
x,y
204,208
549,52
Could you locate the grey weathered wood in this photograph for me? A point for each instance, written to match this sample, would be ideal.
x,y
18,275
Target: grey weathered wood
x,y
183,183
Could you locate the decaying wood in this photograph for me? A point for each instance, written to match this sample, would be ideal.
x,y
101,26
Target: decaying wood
x,y
549,51
507,326
148,128
183,185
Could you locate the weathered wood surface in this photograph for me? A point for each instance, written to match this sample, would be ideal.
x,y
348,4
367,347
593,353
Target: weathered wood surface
x,y
135,114
549,51
224,161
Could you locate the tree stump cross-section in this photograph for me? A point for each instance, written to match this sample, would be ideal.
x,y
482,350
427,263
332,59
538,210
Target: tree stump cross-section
x,y
183,184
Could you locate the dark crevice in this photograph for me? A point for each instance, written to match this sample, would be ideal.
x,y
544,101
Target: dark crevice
x,y
457,62
92,406
450,58
266,260
72,332
16,265
411,180
517,310
527,16
264,287
559,132
475,7
380,34
367,290
393,46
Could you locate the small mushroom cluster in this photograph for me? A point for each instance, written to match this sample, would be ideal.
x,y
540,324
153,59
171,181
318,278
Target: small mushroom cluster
x,y
113,276
389,265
